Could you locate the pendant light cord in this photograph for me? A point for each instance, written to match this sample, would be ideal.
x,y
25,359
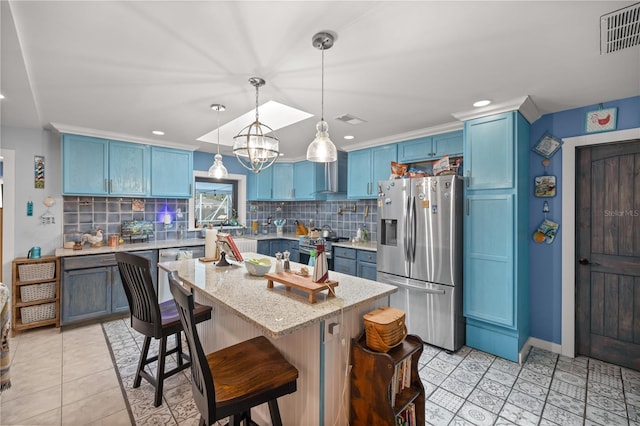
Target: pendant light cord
x,y
218,130
322,87
257,103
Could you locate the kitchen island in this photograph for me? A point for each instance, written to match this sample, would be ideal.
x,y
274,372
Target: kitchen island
x,y
315,338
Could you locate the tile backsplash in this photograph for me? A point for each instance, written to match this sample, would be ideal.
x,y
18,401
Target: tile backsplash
x,y
86,214
322,212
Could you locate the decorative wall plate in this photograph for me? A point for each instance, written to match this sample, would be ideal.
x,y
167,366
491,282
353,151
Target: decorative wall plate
x,y
548,145
601,120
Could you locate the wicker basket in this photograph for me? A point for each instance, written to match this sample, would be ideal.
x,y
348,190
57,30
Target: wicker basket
x,y
37,271
29,293
35,313
385,328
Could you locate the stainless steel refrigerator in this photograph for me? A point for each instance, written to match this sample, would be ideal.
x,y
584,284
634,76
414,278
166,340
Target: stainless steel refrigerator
x,y
420,252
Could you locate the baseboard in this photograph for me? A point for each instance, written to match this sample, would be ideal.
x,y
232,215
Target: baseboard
x,y
540,344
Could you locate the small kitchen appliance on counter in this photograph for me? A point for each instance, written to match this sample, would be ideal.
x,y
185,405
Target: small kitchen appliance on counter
x,y
420,251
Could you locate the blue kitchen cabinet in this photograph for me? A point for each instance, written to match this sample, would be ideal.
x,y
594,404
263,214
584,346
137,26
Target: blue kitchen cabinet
x,y
496,287
366,264
368,166
264,247
85,294
431,147
85,165
282,183
306,175
129,173
91,286
171,172
451,144
344,260
415,150
259,185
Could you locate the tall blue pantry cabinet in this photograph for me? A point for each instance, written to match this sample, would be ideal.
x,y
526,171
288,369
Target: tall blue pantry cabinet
x,y
496,287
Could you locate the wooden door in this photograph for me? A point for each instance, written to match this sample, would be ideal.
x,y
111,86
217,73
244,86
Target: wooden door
x,y
608,253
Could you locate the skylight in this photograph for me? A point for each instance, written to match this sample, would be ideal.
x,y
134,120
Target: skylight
x,y
273,113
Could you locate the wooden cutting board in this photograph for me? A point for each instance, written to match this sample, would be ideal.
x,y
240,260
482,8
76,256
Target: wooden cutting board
x,y
300,282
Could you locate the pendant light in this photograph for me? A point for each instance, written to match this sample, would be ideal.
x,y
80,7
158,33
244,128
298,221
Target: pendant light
x,y
256,146
217,169
321,149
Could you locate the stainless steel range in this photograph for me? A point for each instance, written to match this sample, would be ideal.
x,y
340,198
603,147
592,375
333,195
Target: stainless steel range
x,y
306,244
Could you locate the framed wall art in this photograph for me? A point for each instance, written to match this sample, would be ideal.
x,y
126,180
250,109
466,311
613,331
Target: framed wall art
x,y
547,146
545,186
601,120
38,172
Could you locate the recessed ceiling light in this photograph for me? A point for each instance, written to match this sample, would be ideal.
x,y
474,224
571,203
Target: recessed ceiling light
x,y
158,132
349,137
1,96
481,103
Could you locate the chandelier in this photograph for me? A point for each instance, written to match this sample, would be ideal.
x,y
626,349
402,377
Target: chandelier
x,y
256,146
217,169
322,149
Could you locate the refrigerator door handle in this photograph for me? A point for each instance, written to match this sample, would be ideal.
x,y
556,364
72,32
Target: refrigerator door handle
x,y
413,229
407,253
432,291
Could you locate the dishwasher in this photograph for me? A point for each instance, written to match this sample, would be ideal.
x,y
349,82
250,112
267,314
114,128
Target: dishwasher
x,y
169,255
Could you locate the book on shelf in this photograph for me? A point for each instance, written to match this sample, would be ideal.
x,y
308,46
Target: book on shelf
x,y
401,379
407,417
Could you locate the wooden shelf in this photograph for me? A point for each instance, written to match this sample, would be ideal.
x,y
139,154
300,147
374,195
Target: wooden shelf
x,y
371,383
16,299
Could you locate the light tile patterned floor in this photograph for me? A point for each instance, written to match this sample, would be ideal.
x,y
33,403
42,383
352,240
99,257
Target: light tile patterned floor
x,y
68,378
470,387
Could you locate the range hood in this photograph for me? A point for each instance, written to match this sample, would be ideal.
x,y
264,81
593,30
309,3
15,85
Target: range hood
x,y
335,176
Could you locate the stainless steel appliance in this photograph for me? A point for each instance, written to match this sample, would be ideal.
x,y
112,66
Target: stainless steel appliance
x,y
420,251
306,244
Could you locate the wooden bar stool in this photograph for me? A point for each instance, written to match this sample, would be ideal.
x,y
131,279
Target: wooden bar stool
x,y
229,382
153,320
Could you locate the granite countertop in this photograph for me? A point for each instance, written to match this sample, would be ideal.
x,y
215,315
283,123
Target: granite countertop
x,y
150,245
188,242
277,312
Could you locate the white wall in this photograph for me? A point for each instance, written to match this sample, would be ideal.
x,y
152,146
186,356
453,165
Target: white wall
x,y
28,230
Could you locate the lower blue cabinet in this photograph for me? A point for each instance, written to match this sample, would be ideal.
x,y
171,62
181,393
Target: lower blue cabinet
x,y
92,289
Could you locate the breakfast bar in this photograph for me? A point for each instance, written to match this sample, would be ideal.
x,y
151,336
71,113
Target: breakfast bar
x,y
314,337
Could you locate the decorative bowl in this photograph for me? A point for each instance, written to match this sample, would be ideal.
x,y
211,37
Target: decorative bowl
x,y
258,267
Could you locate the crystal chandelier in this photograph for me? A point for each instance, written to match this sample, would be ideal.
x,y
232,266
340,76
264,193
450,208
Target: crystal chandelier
x,y
217,169
322,149
256,146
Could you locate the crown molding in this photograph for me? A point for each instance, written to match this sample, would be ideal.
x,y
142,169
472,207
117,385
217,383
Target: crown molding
x,y
64,128
523,104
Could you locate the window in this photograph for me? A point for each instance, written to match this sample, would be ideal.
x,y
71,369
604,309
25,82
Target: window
x,y
217,202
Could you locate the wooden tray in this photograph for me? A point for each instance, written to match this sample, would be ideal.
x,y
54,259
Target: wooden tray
x,y
291,279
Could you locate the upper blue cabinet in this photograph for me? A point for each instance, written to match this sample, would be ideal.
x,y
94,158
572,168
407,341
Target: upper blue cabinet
x,y
367,167
171,172
85,165
128,169
303,180
96,166
430,147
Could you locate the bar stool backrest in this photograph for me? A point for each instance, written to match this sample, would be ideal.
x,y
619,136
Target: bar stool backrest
x,y
135,272
202,380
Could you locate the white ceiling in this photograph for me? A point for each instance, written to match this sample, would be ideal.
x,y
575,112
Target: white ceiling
x,y
125,68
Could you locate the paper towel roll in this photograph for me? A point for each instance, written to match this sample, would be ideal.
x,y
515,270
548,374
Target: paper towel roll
x,y
210,243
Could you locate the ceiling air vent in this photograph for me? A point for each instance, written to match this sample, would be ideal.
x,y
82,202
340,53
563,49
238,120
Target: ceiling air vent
x,y
620,29
350,119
